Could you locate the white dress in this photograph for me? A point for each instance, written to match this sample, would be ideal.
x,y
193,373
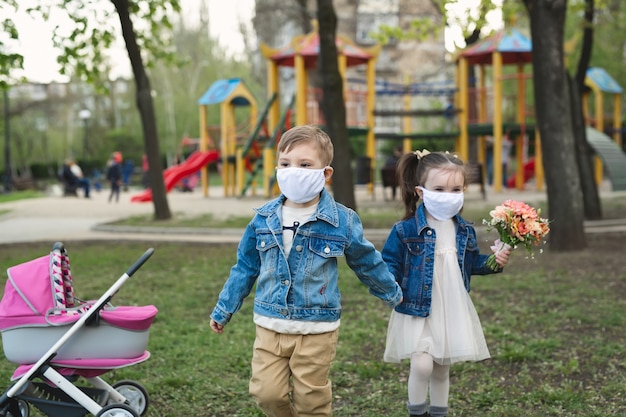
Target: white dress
x,y
452,333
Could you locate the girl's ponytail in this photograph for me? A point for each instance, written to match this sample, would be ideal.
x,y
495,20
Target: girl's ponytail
x,y
407,176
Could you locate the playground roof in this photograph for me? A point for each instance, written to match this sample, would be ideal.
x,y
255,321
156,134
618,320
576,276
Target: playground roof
x,y
603,81
514,47
232,89
308,46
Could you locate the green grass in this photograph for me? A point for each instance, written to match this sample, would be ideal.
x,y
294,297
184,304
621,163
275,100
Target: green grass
x,y
19,195
182,220
554,326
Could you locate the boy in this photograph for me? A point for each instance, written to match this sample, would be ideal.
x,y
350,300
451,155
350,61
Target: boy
x,y
290,249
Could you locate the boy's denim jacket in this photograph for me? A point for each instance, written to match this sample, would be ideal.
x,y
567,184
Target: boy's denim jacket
x,y
304,286
410,254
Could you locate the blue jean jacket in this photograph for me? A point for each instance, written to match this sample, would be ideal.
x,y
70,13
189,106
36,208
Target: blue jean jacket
x,y
410,254
303,286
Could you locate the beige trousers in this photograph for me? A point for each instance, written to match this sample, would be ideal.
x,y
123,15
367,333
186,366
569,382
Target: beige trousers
x,y
290,373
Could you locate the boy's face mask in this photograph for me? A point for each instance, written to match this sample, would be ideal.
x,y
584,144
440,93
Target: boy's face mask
x,y
300,185
442,206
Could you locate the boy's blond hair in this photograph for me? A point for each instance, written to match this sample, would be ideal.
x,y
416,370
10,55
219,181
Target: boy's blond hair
x,y
308,134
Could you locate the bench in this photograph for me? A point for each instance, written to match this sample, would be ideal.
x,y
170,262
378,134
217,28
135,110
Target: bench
x,y
69,189
474,172
24,183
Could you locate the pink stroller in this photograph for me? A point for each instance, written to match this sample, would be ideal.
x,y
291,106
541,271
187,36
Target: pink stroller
x,y
56,338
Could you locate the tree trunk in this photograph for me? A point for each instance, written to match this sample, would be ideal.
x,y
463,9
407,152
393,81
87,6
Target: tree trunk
x,y
591,199
472,110
146,112
333,106
592,207
554,118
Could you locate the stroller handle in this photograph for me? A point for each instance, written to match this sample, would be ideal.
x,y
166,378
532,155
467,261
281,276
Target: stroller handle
x,y
142,260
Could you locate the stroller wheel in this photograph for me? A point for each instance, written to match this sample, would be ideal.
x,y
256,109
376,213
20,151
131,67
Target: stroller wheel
x,y
135,394
117,410
18,408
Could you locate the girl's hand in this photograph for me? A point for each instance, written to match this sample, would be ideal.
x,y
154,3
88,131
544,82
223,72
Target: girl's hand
x,y
502,252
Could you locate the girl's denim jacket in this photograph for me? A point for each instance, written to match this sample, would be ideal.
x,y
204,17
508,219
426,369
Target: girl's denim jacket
x,y
303,286
410,254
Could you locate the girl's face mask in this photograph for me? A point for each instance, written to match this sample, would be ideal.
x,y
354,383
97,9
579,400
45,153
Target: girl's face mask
x,y
440,205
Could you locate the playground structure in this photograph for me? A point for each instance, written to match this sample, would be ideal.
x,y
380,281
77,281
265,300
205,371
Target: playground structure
x,y
174,174
301,54
400,105
481,111
229,94
243,160
609,152
506,47
510,47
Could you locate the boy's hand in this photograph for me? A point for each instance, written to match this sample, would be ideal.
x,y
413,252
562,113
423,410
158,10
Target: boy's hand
x,y
216,327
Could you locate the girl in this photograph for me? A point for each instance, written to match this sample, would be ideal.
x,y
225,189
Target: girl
x,y
432,253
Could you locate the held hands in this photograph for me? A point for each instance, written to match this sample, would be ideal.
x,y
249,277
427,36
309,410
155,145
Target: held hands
x,y
216,327
502,251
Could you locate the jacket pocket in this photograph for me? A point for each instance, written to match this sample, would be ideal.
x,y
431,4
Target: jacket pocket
x,y
326,248
414,248
265,242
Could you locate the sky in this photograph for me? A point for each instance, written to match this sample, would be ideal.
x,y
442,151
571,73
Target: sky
x,y
40,58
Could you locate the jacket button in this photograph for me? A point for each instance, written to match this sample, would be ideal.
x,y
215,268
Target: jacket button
x,y
263,244
326,250
285,282
427,259
298,248
430,232
283,312
426,287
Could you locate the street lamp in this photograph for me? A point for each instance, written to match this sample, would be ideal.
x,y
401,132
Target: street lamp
x,y
85,115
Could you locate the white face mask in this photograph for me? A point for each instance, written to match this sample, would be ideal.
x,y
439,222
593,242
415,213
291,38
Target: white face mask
x,y
442,206
300,185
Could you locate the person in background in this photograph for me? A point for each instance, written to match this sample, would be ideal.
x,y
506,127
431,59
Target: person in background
x,y
393,159
507,146
290,251
145,168
433,252
73,176
114,175
96,178
388,172
127,173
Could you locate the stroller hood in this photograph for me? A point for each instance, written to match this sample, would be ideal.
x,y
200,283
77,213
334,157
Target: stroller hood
x,y
40,293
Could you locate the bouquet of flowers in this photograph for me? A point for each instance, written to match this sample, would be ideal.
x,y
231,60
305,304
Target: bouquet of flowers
x,y
517,223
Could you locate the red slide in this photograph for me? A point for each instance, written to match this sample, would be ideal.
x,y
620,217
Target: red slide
x,y
529,172
173,174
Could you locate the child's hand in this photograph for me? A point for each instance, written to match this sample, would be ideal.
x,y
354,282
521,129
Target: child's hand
x,y
502,251
216,327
